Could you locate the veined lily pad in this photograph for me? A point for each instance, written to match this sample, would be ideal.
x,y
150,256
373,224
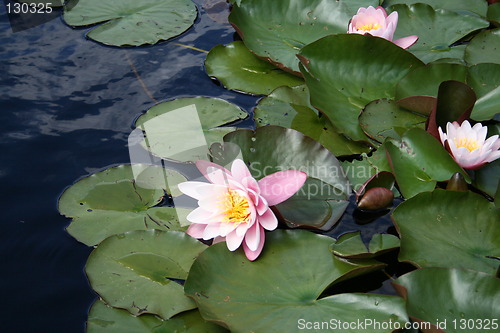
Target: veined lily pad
x,y
345,72
437,30
130,22
138,271
452,300
112,320
461,6
484,48
277,30
270,149
383,119
120,199
419,161
351,245
290,107
239,69
182,129
273,294
462,225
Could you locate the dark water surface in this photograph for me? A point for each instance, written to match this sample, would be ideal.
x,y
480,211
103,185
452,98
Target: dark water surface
x,y
67,107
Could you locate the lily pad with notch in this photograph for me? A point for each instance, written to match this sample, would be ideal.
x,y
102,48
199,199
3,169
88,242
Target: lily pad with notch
x,y
121,199
130,22
283,285
140,271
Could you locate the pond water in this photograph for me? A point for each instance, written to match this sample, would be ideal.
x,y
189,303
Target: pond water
x,y
68,105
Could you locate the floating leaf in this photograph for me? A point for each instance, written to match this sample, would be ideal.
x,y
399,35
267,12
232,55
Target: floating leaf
x,y
270,149
130,22
277,30
442,29
494,14
383,119
273,294
112,320
238,69
483,48
351,245
425,81
119,199
419,161
452,300
138,271
461,6
182,129
449,229
345,72
487,178
290,107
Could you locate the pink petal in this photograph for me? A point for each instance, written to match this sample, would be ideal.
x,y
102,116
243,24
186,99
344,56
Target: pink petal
x,y
406,42
196,230
218,239
382,9
252,255
239,170
211,231
199,215
191,188
215,173
279,186
252,237
268,220
233,240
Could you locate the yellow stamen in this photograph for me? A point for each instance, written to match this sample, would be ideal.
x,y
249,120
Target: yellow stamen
x,y
236,208
468,143
370,26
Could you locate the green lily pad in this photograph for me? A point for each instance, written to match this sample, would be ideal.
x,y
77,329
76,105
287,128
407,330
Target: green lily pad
x,y
462,6
419,161
112,320
182,129
290,108
138,271
239,69
383,119
130,22
277,30
452,300
425,81
484,48
345,72
351,245
482,78
449,229
487,179
494,13
115,201
274,294
270,149
442,29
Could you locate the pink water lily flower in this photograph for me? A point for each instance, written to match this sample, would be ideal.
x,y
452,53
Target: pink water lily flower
x,y
235,207
375,22
468,145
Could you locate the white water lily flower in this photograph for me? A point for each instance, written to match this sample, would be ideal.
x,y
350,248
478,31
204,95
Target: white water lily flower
x,y
468,145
